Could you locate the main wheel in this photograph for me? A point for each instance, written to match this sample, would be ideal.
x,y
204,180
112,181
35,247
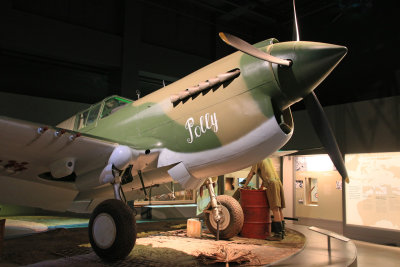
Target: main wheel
x,y
232,218
112,230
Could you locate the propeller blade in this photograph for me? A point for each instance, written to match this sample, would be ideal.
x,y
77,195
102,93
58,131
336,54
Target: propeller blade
x,y
296,35
247,48
325,134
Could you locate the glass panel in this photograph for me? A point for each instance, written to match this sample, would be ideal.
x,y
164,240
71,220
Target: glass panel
x,y
312,191
81,120
93,113
112,105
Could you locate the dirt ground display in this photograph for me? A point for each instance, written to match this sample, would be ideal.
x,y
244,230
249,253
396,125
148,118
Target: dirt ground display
x,y
162,243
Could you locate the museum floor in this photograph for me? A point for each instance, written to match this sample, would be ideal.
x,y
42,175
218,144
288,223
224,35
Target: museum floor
x,y
314,253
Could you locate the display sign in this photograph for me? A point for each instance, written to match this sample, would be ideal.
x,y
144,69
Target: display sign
x,y
373,194
316,195
314,163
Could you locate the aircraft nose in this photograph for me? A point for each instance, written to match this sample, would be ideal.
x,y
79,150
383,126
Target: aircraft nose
x,y
312,63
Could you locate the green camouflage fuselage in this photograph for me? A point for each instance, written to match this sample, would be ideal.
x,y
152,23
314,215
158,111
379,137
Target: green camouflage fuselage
x,y
206,121
224,127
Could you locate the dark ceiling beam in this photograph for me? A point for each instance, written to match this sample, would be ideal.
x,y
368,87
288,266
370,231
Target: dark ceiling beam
x,y
180,12
206,5
247,8
159,77
32,34
56,42
131,48
168,62
213,22
310,12
237,12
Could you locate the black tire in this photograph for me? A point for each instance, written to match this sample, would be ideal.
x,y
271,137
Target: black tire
x,y
232,218
112,230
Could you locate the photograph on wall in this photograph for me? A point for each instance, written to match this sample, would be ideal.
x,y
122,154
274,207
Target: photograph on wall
x,y
315,183
313,190
339,185
373,194
299,183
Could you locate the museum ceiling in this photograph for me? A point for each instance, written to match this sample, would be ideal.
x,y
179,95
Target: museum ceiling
x,y
76,50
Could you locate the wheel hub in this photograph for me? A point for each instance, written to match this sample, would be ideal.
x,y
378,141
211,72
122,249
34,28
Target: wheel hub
x,y
224,221
104,230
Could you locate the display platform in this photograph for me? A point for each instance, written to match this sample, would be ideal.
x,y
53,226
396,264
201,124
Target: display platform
x,y
163,243
316,250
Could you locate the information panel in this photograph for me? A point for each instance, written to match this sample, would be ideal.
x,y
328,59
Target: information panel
x,y
373,194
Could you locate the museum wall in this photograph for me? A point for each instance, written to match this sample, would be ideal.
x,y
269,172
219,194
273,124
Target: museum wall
x,y
288,185
329,205
360,127
327,213
38,109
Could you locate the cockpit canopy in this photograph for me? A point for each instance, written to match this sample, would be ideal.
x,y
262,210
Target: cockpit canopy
x,y
98,111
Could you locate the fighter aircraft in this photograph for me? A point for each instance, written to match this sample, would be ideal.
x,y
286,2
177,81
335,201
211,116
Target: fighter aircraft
x,y
219,119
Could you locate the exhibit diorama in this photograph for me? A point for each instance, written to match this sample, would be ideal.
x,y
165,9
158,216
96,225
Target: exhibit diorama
x,y
190,133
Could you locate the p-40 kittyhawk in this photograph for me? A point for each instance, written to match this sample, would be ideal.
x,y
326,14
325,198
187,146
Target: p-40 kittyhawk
x,y
219,119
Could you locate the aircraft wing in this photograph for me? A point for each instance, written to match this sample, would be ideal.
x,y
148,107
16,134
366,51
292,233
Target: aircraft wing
x,y
27,150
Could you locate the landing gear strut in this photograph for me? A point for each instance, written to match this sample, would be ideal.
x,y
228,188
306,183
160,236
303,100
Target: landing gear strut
x,y
225,219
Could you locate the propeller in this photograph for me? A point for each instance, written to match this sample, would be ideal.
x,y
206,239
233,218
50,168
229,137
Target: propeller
x,y
247,48
325,133
296,35
314,108
319,120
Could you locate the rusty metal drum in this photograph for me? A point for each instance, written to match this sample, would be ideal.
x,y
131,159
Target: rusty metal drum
x,y
257,219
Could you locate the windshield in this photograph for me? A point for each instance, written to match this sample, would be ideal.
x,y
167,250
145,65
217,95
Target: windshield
x,y
113,104
99,111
